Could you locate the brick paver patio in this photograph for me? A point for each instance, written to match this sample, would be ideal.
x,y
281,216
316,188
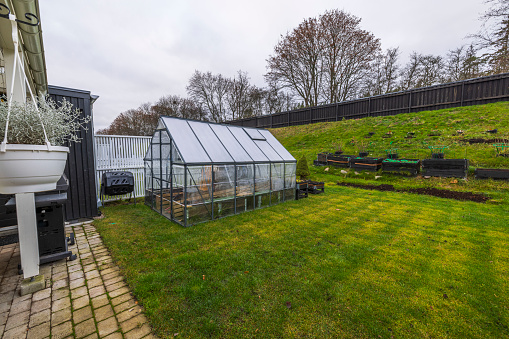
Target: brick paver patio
x,y
84,298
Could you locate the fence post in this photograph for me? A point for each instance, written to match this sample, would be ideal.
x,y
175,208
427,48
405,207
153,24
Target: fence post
x,y
462,92
337,110
310,115
369,107
409,101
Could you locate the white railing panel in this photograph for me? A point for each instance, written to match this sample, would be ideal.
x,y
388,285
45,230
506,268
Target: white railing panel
x,y
121,153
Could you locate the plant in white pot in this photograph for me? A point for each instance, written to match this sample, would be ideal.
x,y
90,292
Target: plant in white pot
x,y
32,157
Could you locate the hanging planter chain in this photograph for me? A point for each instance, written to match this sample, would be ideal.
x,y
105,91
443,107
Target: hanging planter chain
x,y
14,25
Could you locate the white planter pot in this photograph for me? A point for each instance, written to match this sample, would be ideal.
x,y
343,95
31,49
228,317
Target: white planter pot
x,y
31,168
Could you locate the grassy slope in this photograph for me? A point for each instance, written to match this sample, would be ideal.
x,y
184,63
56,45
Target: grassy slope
x,y
473,120
350,263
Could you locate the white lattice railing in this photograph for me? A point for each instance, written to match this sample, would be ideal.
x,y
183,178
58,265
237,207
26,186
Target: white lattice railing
x,y
121,153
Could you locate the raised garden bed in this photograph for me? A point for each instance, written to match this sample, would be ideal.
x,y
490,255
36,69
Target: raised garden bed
x,y
403,166
342,160
366,164
313,187
451,168
493,173
321,159
301,191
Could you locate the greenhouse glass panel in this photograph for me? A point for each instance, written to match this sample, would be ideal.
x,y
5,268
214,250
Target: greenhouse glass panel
x,y
197,171
210,142
231,144
276,145
190,148
248,144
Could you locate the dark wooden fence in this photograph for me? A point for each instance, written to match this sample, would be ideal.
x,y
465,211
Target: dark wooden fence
x,y
463,93
82,198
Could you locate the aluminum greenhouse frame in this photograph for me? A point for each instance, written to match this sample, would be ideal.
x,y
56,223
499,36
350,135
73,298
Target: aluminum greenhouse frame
x,y
198,171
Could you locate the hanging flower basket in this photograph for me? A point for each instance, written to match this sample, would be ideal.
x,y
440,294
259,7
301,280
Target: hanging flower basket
x,y
31,168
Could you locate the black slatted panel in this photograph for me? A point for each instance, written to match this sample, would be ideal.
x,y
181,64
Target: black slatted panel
x,y
463,93
82,198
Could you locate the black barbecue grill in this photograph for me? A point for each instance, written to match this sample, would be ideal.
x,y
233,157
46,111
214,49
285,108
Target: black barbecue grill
x,y
117,183
53,243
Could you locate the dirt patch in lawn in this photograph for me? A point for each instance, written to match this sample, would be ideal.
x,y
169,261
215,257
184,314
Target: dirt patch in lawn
x,y
441,193
480,141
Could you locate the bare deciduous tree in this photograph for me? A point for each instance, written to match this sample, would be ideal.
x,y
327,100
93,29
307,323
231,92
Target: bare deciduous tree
x,y
494,36
141,121
383,75
296,63
210,91
175,106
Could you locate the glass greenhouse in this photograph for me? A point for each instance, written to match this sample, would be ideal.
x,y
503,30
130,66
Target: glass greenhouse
x,y
197,171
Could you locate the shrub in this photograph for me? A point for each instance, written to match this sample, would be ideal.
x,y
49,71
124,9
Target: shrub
x,y
302,168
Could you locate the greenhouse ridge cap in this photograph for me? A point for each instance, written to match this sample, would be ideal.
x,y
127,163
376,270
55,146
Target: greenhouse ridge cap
x,y
210,122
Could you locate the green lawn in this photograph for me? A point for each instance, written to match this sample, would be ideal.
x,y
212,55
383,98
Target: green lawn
x,y
348,263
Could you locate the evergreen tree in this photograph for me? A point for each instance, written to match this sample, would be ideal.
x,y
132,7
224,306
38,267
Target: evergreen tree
x,y
302,168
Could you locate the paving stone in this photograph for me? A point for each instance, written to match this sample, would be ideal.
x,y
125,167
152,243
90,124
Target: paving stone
x,y
111,275
5,307
116,286
59,284
58,269
137,321
138,332
128,313
42,294
40,331
80,302
107,326
74,268
60,304
109,270
6,296
94,282
96,291
60,275
16,333
113,280
21,307
121,299
61,331
99,301
82,314
39,318
118,292
3,318
76,275
61,316
79,292
77,283
85,328
115,335
89,268
5,288
92,274
41,305
124,306
60,293
88,261
92,336
103,313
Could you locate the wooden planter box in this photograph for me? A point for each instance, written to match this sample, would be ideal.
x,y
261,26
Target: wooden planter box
x,y
366,164
313,187
410,166
321,159
451,168
342,160
494,173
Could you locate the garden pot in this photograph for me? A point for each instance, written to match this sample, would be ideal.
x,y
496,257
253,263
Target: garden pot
x,y
392,155
338,152
437,155
31,168
363,154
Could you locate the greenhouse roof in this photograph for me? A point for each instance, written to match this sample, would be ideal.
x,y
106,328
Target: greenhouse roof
x,y
204,142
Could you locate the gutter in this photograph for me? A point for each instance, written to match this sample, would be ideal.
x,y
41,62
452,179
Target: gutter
x,y
32,44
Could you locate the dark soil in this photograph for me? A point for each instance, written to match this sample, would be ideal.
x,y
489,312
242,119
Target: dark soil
x,y
441,193
481,141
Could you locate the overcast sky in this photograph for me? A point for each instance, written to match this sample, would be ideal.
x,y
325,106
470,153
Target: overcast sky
x,y
130,52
